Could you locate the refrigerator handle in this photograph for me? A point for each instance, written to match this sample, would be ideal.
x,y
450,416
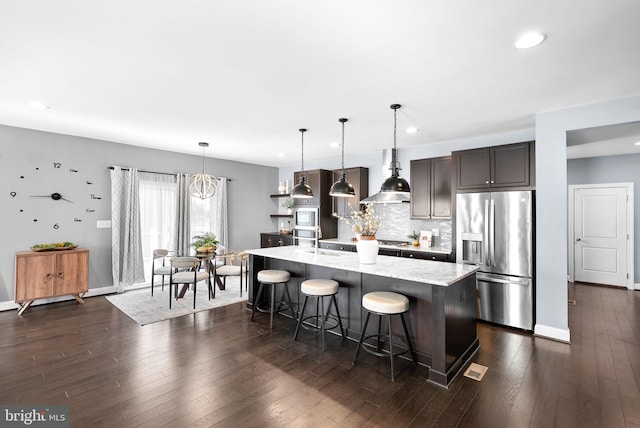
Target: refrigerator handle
x,y
492,231
486,244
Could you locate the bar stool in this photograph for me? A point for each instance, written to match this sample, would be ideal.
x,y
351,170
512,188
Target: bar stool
x,y
385,303
273,277
319,288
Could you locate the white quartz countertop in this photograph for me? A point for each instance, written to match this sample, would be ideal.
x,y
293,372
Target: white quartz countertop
x,y
425,271
408,247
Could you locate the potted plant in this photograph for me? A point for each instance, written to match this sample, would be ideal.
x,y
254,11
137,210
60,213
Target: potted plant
x,y
205,243
288,204
415,237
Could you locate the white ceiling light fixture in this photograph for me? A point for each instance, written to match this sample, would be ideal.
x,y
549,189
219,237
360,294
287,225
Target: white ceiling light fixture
x,y
529,40
203,185
638,143
39,105
411,130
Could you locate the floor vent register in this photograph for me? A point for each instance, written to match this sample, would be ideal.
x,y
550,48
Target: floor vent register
x,y
476,371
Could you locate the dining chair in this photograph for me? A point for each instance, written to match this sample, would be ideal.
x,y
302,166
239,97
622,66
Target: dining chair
x,y
233,264
159,265
186,270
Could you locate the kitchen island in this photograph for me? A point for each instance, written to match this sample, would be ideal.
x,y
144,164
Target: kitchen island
x,y
442,298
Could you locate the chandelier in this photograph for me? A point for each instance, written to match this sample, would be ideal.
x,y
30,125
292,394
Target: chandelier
x,y
203,185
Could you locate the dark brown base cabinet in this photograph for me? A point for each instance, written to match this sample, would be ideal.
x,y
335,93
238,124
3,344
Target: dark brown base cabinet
x,y
441,320
337,246
422,255
498,167
396,252
268,240
431,188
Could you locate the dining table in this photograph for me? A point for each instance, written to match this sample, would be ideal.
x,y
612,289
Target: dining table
x,y
210,262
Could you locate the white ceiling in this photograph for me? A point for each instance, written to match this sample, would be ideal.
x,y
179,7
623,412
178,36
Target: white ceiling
x,y
244,75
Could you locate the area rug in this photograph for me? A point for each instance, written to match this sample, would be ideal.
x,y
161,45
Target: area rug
x,y
144,309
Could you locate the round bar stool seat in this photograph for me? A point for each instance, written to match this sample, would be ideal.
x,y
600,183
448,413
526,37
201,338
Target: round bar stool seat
x,y
271,278
385,304
319,288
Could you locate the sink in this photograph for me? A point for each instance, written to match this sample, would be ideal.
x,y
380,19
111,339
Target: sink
x,y
324,253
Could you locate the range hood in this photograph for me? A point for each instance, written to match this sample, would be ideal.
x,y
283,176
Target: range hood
x,y
386,196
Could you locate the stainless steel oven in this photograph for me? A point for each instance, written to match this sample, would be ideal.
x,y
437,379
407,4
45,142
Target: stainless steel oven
x,y
306,230
306,217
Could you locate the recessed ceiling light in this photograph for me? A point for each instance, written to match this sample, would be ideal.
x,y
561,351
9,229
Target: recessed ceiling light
x,y
638,143
335,145
39,105
411,130
281,155
529,40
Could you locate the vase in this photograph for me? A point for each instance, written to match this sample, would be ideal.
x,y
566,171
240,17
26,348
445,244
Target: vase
x,y
367,248
289,210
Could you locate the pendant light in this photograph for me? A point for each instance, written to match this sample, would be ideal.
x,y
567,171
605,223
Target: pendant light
x,y
395,183
202,185
302,189
342,187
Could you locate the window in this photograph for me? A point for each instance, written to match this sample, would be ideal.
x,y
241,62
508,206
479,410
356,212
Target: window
x,y
158,195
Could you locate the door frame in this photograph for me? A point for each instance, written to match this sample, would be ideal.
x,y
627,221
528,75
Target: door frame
x,y
630,218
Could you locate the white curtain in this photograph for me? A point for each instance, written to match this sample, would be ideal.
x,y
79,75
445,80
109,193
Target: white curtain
x,y
126,248
183,226
158,215
210,215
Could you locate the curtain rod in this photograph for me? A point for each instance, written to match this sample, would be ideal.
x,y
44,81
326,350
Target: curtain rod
x,y
162,173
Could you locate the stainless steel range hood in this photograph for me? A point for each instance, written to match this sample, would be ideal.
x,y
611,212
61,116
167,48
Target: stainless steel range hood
x,y
389,157
386,198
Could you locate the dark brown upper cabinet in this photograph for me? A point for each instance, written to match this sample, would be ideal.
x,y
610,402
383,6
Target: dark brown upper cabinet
x,y
359,179
507,166
320,182
431,188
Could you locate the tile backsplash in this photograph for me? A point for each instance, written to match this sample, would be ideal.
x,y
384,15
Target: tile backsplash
x,y
397,224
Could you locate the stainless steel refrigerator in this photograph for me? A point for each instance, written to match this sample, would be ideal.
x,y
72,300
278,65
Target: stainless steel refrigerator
x,y
494,231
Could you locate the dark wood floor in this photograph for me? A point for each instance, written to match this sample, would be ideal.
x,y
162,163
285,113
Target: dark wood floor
x,y
219,369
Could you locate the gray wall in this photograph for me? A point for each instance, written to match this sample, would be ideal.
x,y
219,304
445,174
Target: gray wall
x,y
611,169
31,154
551,197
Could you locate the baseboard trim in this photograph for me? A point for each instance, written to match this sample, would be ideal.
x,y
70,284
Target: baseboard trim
x,y
9,305
561,335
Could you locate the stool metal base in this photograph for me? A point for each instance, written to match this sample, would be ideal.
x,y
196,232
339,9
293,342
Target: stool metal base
x,y
321,320
272,306
378,347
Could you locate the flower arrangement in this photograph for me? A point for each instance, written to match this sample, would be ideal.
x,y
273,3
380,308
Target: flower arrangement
x,y
364,223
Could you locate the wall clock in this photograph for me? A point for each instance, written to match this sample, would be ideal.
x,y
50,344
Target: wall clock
x,y
55,195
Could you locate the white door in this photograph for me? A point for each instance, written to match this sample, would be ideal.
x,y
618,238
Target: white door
x,y
600,234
